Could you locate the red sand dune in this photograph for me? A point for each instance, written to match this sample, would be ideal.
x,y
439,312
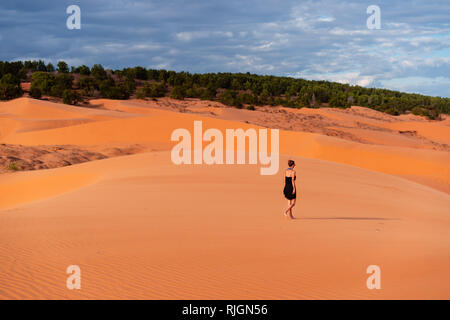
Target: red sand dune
x,y
427,166
141,227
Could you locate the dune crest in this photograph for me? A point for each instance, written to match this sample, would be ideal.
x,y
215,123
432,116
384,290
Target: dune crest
x,y
22,188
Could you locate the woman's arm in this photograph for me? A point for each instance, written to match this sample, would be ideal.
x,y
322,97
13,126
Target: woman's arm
x,y
293,181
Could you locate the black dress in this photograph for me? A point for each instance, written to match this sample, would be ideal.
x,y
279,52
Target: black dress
x,y
288,188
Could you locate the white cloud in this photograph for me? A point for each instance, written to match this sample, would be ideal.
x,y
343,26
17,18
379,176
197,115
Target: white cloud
x,y
250,63
352,78
109,48
348,32
194,35
263,47
326,19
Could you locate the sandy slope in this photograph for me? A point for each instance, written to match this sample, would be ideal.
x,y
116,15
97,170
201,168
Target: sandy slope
x,y
224,236
355,124
132,122
141,227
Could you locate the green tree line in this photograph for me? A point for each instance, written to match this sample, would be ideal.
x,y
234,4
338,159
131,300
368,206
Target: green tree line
x,y
234,89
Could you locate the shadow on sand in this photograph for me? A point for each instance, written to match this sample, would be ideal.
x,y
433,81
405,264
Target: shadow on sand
x,y
344,218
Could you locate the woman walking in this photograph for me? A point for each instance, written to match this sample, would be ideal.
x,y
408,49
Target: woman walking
x,y
290,191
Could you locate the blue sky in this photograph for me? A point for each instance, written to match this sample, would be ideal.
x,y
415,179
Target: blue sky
x,y
320,39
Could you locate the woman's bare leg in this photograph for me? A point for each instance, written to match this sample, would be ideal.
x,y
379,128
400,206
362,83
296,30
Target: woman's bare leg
x,y
288,212
293,201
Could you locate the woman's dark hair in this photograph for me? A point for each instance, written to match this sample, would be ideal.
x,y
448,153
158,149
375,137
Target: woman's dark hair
x,y
291,163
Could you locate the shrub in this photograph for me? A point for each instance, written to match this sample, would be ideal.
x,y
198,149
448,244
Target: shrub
x,y
87,85
13,166
62,82
98,72
84,70
43,81
105,86
35,93
248,98
130,85
50,67
71,97
208,94
418,111
63,67
140,94
230,98
192,93
140,73
155,90
392,111
178,92
9,87
339,101
158,90
110,90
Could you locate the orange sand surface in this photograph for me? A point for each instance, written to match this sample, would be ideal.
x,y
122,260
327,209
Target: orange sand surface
x,y
141,227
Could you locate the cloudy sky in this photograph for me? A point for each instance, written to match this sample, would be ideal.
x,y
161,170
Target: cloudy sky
x,y
318,39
